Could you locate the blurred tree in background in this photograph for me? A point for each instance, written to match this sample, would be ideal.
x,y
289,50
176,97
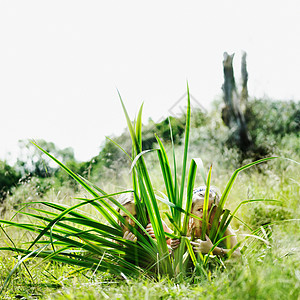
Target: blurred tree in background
x,y
9,178
32,162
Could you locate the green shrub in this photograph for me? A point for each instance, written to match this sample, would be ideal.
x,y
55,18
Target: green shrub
x,y
275,119
9,178
32,162
29,189
263,214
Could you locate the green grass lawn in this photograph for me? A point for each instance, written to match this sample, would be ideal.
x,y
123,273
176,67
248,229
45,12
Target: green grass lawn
x,y
266,273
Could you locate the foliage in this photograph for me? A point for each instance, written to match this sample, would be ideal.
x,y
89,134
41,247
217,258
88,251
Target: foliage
x,y
269,121
263,214
272,118
29,189
30,160
162,129
36,170
9,178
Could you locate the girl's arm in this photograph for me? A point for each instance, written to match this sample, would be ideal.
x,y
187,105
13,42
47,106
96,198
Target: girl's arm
x,y
231,242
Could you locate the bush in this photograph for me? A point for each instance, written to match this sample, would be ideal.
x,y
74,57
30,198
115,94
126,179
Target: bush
x,y
29,189
273,119
9,178
262,214
32,162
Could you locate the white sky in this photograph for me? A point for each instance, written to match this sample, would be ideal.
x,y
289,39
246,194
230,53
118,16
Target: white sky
x,y
61,62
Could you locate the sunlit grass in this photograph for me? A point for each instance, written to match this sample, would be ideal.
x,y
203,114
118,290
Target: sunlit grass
x,y
267,273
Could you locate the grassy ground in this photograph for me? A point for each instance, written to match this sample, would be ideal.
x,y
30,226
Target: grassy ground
x,y
265,273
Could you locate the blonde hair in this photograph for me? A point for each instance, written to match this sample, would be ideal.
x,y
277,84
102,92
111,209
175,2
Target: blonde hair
x,y
125,199
199,192
214,194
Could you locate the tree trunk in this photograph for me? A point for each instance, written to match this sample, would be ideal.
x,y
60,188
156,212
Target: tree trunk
x,y
235,104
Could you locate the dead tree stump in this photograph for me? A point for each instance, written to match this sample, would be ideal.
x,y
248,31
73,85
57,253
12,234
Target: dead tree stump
x,y
235,103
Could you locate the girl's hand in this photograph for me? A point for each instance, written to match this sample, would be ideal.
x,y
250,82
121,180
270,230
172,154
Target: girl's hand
x,y
175,243
150,230
202,246
129,236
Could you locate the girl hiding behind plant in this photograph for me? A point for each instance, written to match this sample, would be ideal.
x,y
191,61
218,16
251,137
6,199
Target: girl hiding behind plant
x,y
127,200
195,226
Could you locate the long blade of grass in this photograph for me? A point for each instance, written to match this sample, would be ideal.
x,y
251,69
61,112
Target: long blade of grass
x,y
138,156
256,237
186,145
172,221
82,183
177,215
205,205
190,186
191,251
16,250
166,171
61,215
71,173
98,227
138,126
179,252
222,227
226,192
213,248
122,149
253,200
122,220
179,209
